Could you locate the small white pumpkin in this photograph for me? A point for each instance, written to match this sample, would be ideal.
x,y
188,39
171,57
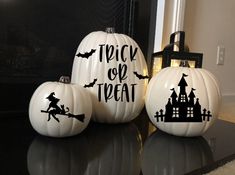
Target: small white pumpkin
x,y
60,109
113,68
183,101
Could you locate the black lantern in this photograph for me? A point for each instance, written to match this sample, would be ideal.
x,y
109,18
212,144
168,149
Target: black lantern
x,y
168,57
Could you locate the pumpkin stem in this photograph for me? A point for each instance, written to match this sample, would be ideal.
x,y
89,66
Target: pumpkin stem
x,y
64,79
110,30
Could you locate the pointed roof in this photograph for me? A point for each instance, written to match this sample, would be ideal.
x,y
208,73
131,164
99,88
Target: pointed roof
x,y
182,82
173,95
192,95
169,102
197,102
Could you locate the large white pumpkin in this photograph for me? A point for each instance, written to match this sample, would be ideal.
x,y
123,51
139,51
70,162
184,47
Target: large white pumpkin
x,y
60,109
112,67
183,101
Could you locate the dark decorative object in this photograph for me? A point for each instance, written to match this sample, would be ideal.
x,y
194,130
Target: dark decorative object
x,y
168,57
182,107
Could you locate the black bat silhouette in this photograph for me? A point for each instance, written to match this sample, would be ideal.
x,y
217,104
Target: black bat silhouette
x,y
140,76
86,54
90,84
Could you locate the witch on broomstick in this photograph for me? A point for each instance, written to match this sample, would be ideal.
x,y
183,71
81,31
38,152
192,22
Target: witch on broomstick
x,y
53,109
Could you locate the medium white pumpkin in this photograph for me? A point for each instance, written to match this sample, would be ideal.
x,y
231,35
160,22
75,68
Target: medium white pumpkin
x,y
60,109
183,101
112,67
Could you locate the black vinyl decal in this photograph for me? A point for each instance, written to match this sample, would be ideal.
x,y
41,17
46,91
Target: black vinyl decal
x,y
116,84
90,84
140,76
182,107
86,54
53,109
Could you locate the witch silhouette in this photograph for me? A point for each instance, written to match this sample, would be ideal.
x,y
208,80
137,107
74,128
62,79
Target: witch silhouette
x,y
53,104
53,109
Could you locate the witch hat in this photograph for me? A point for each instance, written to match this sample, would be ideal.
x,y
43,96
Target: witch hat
x,y
51,97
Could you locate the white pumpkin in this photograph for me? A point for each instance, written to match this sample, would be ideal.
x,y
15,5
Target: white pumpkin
x,y
171,155
183,101
112,67
60,109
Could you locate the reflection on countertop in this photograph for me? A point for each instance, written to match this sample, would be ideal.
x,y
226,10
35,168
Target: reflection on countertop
x,y
135,148
167,154
103,149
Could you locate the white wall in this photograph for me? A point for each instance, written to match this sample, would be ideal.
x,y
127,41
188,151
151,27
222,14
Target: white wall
x,y
168,22
173,19
209,23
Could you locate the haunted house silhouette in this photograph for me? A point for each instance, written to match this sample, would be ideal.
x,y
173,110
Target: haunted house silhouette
x,y
182,107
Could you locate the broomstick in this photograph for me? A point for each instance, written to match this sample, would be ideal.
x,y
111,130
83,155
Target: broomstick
x,y
79,117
